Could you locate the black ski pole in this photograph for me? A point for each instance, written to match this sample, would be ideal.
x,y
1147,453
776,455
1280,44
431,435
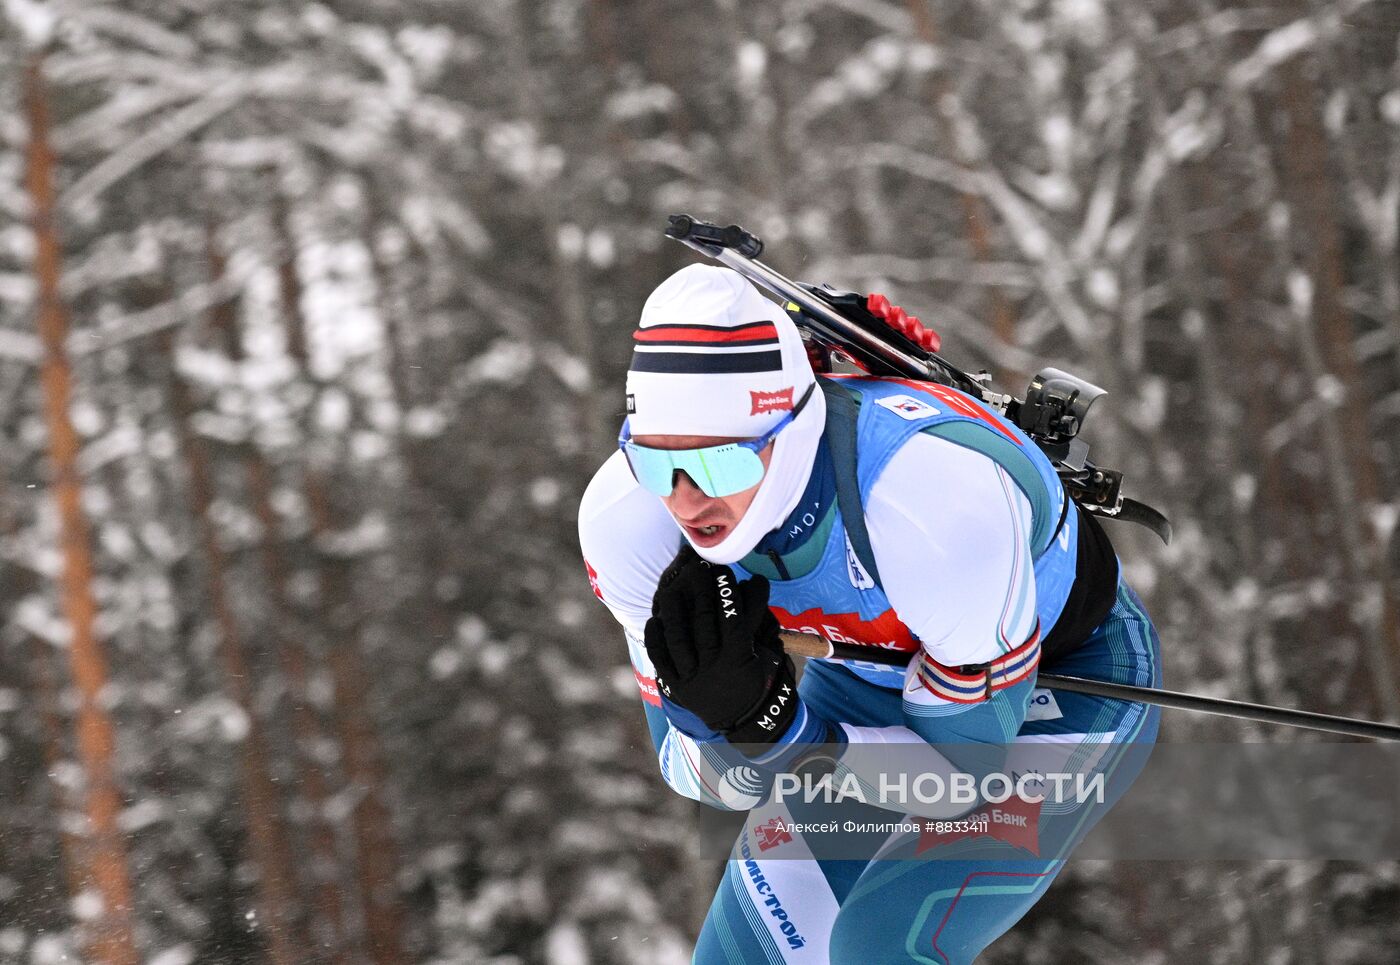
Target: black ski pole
x,y
812,646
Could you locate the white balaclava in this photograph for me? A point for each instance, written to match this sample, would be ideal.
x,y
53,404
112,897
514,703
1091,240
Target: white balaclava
x,y
713,357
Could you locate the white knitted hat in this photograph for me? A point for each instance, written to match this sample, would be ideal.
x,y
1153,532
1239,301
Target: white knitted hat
x,y
713,357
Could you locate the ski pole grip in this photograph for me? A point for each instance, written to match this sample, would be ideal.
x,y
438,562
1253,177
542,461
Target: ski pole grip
x,y
806,645
810,645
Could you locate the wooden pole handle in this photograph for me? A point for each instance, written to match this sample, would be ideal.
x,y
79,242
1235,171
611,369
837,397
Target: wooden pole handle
x,y
810,645
806,645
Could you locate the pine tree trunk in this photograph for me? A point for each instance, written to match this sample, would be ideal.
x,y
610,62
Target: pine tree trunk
x,y
976,219
278,897
327,928
602,33
566,275
376,850
1254,406
421,513
110,937
1288,504
1327,341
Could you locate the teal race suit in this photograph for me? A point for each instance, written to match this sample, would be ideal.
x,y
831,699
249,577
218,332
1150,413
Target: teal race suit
x,y
930,526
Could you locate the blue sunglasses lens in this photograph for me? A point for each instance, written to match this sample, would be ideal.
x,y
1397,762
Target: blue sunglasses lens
x,y
717,470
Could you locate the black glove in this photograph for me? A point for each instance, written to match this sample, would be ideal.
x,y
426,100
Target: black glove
x,y
717,651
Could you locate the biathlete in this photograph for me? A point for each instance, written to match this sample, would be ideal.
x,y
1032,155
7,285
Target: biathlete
x,y
751,496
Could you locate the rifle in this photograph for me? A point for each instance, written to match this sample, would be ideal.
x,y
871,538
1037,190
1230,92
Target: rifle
x,y
1051,414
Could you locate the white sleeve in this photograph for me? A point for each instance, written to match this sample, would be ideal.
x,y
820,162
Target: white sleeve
x,y
950,533
628,539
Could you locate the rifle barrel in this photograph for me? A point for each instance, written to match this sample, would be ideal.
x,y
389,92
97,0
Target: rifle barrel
x,y
841,328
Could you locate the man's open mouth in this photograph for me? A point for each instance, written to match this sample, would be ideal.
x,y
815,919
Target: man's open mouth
x,y
707,535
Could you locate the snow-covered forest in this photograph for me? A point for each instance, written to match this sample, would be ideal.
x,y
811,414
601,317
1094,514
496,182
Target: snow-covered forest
x,y
313,326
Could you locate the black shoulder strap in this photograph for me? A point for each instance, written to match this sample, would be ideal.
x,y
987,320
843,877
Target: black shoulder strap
x,y
841,414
